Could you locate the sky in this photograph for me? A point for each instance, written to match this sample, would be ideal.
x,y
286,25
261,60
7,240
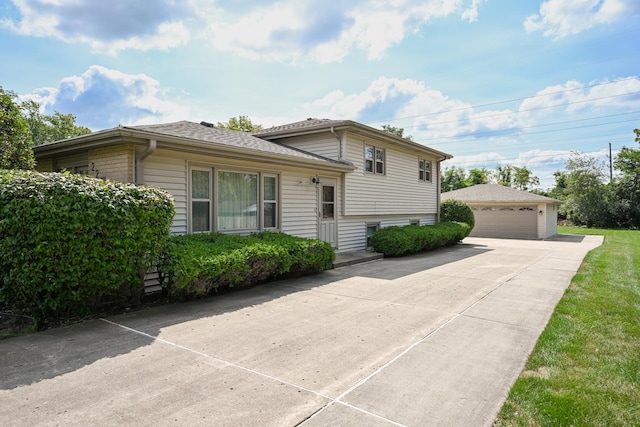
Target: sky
x,y
491,82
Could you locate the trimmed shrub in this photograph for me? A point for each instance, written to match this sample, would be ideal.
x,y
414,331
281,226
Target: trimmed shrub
x,y
199,264
397,241
457,211
68,241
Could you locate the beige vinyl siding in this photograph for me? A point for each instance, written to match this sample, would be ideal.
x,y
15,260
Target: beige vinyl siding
x,y
71,163
299,205
398,191
298,196
169,173
326,145
113,162
551,220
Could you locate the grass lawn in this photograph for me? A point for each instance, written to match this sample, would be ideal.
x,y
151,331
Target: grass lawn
x,y
585,368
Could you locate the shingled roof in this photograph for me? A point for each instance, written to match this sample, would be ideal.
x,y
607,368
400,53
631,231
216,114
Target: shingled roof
x,y
494,193
304,124
205,132
195,137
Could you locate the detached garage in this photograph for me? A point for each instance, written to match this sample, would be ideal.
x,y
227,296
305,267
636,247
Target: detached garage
x,y
505,212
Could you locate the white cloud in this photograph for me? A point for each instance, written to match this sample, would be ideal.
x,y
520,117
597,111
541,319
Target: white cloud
x,y
103,98
292,31
562,18
574,96
107,26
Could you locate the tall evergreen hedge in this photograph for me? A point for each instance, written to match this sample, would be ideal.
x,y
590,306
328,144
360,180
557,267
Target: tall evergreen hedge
x,y
68,241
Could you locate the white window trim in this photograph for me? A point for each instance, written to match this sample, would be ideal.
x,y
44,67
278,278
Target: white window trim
x,y
213,194
190,198
375,160
263,201
426,170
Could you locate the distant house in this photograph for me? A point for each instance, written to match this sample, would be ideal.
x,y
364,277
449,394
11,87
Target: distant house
x,y
508,213
336,180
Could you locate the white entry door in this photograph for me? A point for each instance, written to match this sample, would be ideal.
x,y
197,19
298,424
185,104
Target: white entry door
x,y
328,211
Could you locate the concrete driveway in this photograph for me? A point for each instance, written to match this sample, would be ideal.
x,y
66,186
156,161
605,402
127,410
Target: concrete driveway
x,y
428,340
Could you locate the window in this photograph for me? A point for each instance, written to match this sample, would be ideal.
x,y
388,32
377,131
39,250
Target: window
x,y
270,202
237,201
373,159
200,200
371,228
243,200
424,170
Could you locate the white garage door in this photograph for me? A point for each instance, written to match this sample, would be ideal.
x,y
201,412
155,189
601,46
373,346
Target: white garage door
x,y
515,222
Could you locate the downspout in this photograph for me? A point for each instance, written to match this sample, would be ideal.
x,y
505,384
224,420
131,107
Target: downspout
x,y
341,155
438,189
341,144
140,160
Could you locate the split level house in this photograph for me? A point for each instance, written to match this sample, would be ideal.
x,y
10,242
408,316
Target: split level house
x,y
335,180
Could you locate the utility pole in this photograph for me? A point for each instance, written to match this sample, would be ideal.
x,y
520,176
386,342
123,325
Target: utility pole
x,y
610,165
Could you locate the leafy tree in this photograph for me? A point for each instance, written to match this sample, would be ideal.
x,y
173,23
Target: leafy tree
x,y
628,187
637,132
395,131
588,198
523,178
241,123
453,178
15,137
47,128
504,175
478,176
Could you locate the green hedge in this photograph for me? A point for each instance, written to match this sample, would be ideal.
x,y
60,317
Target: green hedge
x,y
452,210
68,241
397,241
200,264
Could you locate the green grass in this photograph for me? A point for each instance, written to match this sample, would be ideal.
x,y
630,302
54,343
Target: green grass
x,y
585,367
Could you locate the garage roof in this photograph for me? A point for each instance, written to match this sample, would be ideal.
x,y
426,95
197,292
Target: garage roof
x,y
494,193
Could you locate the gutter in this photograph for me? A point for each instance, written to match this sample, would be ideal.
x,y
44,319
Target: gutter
x,y
140,161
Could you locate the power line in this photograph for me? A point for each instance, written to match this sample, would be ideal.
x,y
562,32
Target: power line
x,y
504,102
525,127
527,110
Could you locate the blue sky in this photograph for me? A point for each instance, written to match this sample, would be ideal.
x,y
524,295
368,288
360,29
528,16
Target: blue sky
x,y
488,81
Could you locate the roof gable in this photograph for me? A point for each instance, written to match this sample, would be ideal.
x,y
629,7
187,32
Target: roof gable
x,y
495,193
314,126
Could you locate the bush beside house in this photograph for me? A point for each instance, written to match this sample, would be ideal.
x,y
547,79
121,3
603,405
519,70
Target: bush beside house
x,y
69,242
200,264
397,241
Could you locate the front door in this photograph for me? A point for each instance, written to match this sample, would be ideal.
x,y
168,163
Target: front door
x,y
328,211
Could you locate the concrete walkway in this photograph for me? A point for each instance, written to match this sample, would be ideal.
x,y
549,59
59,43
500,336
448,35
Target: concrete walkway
x,y
435,339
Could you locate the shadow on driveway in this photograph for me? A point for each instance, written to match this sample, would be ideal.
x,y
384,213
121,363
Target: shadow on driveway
x,y
32,358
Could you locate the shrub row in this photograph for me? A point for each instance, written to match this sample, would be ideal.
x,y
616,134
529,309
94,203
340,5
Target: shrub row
x,y
68,241
397,241
200,264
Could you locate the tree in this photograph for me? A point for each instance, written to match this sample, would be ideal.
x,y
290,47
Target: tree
x,y
241,123
395,131
588,198
478,176
15,137
627,187
47,128
523,178
453,178
637,132
504,175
